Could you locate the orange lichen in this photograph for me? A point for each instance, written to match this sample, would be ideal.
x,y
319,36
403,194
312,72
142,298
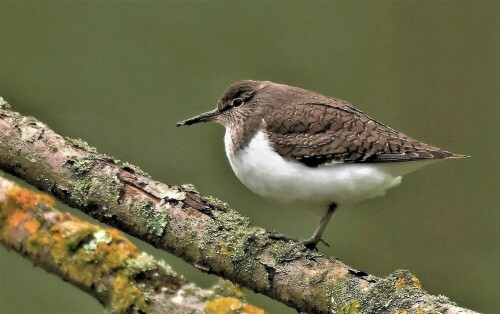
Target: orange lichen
x,y
234,289
27,199
16,218
403,282
115,233
102,260
97,259
32,226
84,253
416,282
400,283
230,305
126,294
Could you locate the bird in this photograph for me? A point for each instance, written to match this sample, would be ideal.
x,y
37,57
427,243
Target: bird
x,y
302,149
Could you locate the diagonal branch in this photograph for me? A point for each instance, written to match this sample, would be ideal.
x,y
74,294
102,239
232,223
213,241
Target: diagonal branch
x,y
201,230
101,261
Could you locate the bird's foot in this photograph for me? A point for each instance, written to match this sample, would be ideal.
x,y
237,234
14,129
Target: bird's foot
x,y
312,243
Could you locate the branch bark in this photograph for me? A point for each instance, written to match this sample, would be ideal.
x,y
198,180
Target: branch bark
x,y
102,261
201,230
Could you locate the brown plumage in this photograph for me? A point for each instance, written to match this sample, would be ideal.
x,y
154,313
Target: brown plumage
x,y
314,129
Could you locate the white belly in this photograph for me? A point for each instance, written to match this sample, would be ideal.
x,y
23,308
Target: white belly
x,y
267,174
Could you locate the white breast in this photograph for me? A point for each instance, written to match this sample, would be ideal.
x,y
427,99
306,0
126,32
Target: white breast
x,y
267,174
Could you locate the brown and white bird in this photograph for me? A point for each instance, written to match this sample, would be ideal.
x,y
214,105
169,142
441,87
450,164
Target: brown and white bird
x,y
300,148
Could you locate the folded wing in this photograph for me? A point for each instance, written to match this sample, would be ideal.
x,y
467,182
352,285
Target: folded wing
x,y
319,133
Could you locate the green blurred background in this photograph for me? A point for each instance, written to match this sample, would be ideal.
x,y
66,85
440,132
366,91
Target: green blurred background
x,y
121,74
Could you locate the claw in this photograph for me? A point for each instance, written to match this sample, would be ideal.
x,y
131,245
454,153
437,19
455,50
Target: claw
x,y
312,244
325,243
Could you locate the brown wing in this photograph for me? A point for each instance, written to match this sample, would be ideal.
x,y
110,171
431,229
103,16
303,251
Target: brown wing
x,y
317,133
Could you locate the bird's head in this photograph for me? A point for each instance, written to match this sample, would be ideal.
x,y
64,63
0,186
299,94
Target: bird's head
x,y
236,103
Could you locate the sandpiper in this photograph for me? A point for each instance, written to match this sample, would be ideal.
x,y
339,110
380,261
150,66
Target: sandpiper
x,y
300,148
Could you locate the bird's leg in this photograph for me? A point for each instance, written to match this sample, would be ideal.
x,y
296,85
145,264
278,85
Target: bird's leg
x,y
316,237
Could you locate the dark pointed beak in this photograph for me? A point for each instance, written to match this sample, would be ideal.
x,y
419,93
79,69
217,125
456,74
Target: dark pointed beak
x,y
204,117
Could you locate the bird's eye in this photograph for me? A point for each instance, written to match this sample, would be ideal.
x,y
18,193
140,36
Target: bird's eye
x,y
237,102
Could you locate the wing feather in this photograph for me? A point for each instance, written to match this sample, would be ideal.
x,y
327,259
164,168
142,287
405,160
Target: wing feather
x,y
318,133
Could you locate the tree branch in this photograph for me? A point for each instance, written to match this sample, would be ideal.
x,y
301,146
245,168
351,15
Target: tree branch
x,y
101,261
201,230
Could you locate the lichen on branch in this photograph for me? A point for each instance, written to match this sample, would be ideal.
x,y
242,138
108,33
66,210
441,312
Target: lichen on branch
x,y
101,261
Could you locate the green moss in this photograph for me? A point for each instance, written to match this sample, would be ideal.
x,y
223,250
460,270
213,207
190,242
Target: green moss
x,y
141,263
144,206
287,252
234,232
237,239
81,144
133,168
81,190
391,292
156,220
83,182
350,308
216,203
3,104
82,166
144,264
112,189
158,223
90,185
